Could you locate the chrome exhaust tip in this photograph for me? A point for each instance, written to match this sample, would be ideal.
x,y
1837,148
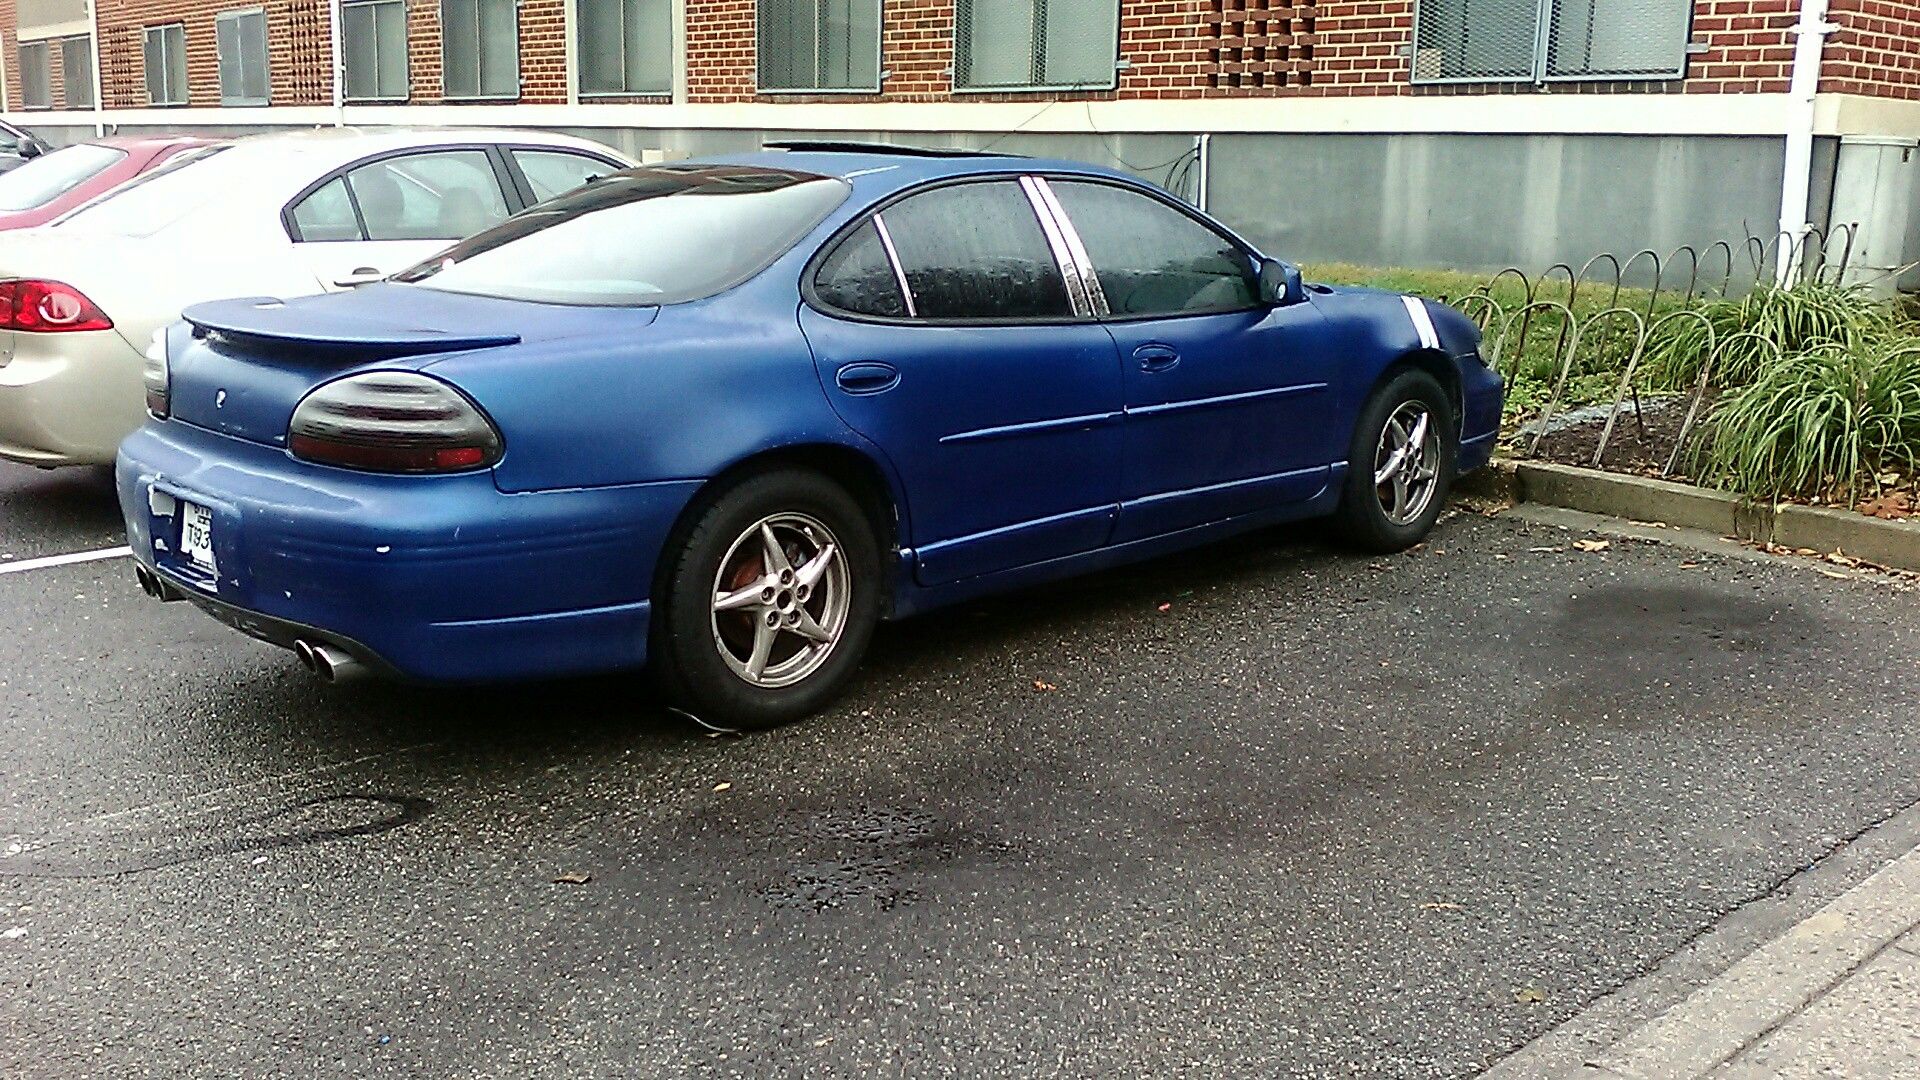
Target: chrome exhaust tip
x,y
304,652
147,584
334,666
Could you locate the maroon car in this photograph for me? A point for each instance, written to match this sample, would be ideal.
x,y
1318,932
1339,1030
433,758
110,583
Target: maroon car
x,y
59,180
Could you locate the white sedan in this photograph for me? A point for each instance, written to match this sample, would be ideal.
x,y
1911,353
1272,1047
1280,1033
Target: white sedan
x,y
273,215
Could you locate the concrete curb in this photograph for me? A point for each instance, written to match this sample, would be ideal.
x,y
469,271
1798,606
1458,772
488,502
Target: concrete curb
x,y
1639,498
1722,1027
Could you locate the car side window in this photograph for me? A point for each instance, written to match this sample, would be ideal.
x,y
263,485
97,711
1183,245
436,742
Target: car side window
x,y
858,277
327,213
1152,259
437,196
556,172
975,251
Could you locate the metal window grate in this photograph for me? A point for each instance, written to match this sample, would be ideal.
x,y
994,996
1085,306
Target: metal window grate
x,y
625,47
1549,40
374,49
165,55
242,40
1036,44
818,44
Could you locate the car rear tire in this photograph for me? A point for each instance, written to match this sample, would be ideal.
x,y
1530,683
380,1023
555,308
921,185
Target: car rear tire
x,y
1399,465
767,601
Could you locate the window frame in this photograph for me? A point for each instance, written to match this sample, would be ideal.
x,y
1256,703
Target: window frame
x,y
957,87
1078,313
166,65
480,92
674,57
509,190
406,50
233,17
879,56
1092,269
1539,75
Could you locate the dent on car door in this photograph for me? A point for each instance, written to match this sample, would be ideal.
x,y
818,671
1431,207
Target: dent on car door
x,y
1225,394
944,333
384,215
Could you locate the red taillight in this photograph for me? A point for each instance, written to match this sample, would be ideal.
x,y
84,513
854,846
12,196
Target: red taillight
x,y
45,307
392,421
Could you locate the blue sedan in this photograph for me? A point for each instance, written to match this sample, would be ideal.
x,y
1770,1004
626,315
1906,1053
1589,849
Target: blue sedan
x,y
721,418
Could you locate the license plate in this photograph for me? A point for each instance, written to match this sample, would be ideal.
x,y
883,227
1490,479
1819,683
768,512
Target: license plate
x,y
196,534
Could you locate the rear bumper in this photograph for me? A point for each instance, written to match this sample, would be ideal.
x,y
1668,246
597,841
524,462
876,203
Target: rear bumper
x,y
68,399
434,579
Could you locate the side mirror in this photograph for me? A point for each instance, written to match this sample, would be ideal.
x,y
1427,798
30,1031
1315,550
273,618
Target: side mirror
x,y
32,148
1280,283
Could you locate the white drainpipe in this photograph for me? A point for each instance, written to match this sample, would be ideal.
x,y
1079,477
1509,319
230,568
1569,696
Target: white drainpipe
x,y
1811,40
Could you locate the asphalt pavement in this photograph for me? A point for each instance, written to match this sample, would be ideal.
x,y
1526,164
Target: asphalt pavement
x,y
1268,809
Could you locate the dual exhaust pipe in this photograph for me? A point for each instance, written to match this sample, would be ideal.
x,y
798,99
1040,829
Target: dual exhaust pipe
x,y
327,662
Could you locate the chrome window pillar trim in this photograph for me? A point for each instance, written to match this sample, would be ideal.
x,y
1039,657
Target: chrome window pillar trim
x,y
1089,278
1070,272
893,260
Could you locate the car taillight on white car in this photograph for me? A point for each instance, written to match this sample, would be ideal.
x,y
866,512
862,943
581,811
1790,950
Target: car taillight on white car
x,y
392,421
48,307
155,375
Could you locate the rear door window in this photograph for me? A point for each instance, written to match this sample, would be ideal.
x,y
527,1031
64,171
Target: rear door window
x,y
437,196
327,214
974,251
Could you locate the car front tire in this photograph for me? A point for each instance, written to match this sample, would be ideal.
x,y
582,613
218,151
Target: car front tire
x,y
767,602
1400,464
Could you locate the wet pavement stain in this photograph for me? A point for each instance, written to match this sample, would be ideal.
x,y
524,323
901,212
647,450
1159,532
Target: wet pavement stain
x,y
871,857
311,821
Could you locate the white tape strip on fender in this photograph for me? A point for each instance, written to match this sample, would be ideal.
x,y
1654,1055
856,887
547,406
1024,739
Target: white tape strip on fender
x,y
1422,322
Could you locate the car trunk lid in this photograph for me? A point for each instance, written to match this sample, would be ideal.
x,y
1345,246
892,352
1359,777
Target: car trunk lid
x,y
247,363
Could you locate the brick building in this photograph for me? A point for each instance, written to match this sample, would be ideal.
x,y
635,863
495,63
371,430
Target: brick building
x,y
1445,132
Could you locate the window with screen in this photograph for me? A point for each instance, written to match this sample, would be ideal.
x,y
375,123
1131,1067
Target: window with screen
x,y
1546,40
1036,44
76,71
625,46
166,63
374,48
818,44
242,39
36,76
480,48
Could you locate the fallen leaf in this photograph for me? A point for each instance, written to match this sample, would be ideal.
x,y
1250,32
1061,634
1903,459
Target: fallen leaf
x,y
1439,905
573,879
1499,556
1529,995
1166,607
1592,545
1805,551
722,786
1689,566
1042,684
1834,573
1841,559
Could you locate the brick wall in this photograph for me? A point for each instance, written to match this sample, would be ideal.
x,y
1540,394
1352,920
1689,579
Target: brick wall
x,y
1877,50
1169,48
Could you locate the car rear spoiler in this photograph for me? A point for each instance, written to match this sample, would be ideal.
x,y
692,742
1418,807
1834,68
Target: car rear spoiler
x,y
271,321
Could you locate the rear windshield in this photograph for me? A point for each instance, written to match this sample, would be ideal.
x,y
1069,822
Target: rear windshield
x,y
660,235
158,197
46,178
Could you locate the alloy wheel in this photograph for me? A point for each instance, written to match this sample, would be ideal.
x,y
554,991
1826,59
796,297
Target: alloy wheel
x,y
1406,464
780,600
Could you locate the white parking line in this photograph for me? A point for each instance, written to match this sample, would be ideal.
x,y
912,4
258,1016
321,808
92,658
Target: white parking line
x,y
63,560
